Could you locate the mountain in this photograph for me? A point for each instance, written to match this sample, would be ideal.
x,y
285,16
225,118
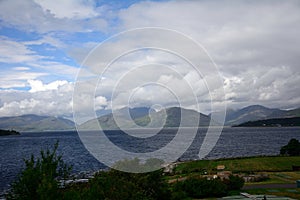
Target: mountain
x,y
102,112
256,112
142,117
251,113
276,122
35,123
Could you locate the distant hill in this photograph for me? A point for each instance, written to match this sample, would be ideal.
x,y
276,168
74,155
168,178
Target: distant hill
x,y
142,117
8,132
256,112
35,123
277,122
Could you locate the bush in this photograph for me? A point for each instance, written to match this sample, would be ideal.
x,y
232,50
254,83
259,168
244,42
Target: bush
x,y
234,183
114,184
122,185
39,179
291,149
201,188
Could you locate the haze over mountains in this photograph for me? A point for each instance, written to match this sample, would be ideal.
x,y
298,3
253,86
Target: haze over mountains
x,y
145,117
36,123
257,112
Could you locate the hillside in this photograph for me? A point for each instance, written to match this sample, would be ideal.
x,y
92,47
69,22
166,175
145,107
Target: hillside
x,y
256,112
293,121
144,117
35,123
8,132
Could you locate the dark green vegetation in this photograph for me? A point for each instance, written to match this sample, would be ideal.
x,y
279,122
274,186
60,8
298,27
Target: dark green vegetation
x,y
8,132
115,184
291,149
36,123
293,121
196,187
189,180
39,179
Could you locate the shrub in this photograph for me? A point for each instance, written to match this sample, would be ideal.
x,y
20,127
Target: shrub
x,y
39,179
122,185
201,187
234,183
291,149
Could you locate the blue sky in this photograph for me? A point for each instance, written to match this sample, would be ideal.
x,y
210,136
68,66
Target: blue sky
x,y
255,45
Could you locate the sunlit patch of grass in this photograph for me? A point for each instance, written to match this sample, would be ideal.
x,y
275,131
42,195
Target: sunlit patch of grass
x,y
252,164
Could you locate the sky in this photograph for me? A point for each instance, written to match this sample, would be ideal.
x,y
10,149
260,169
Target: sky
x,y
46,49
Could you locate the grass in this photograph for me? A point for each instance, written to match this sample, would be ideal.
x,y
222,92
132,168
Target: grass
x,y
279,169
242,165
292,193
279,178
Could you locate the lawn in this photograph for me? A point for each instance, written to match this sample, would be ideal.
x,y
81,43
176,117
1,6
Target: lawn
x,y
242,165
278,168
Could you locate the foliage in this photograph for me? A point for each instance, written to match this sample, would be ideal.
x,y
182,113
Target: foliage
x,y
114,184
234,183
291,149
8,132
195,187
201,187
121,185
39,179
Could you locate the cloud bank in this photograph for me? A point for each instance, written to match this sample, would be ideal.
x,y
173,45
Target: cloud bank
x,y
255,45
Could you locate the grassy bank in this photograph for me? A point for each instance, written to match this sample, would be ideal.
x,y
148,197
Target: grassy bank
x,y
278,168
242,165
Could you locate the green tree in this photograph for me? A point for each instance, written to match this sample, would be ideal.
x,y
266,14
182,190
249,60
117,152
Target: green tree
x,y
291,149
201,187
116,184
234,183
39,179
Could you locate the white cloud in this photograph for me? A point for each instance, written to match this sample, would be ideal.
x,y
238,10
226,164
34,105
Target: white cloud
x,y
16,52
57,69
37,85
100,102
69,8
48,16
54,99
46,39
29,64
13,79
250,42
255,44
21,68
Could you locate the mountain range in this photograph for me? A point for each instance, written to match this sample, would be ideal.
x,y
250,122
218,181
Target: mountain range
x,y
141,117
36,123
146,117
274,122
257,112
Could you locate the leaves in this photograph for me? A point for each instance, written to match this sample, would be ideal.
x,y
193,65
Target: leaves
x,y
291,149
39,179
